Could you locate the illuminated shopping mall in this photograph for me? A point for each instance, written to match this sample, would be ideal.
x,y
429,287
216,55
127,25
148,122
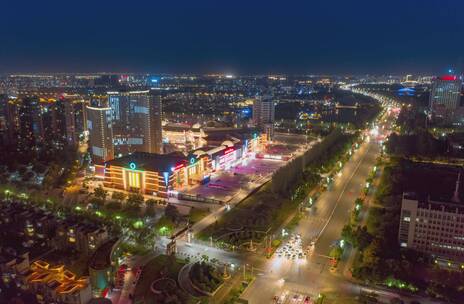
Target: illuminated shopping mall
x,y
162,174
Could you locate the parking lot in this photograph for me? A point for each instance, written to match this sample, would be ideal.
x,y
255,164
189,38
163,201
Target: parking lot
x,y
246,176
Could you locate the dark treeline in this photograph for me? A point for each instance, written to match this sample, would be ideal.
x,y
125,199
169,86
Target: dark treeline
x,y
304,168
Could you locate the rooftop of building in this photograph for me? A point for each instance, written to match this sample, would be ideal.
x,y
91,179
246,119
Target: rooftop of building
x,y
221,134
178,127
148,161
433,183
101,258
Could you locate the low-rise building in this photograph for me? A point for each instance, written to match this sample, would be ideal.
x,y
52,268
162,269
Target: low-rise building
x,y
57,284
82,237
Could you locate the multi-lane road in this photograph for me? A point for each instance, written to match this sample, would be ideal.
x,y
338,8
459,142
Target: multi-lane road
x,y
324,224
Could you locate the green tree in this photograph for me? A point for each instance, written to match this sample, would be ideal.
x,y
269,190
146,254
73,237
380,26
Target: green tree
x,y
172,213
150,209
119,196
362,238
100,193
135,199
347,234
336,253
371,254
96,202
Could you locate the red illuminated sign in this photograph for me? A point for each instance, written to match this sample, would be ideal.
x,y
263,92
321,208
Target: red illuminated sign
x,y
229,150
448,77
179,166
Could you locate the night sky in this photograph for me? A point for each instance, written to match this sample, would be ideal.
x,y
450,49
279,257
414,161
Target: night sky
x,y
253,36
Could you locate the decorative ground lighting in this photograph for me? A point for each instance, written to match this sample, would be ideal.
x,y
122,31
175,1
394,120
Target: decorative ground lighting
x,y
78,208
138,224
163,230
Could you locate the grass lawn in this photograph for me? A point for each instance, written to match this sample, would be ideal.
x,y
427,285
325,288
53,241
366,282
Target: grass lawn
x,y
197,215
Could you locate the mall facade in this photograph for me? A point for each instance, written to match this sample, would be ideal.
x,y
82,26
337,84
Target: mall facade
x,y
162,175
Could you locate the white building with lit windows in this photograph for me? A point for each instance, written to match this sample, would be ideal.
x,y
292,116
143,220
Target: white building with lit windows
x,y
433,226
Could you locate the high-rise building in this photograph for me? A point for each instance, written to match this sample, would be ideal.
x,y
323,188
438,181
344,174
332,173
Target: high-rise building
x,y
80,115
66,121
31,128
136,119
264,114
4,120
445,95
99,124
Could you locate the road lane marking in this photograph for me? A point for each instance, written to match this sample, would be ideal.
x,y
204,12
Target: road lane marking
x,y
343,191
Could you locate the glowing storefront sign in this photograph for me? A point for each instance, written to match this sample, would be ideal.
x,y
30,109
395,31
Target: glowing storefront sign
x,y
134,179
269,156
177,167
229,150
133,166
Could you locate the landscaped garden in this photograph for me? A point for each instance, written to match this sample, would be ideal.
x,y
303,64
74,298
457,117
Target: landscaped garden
x,y
161,267
205,277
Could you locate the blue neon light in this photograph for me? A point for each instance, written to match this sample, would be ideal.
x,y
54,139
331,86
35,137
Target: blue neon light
x,y
133,166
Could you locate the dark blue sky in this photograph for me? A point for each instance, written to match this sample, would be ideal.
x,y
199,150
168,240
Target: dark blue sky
x,y
253,36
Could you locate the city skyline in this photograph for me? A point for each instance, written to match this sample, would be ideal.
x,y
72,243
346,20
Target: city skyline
x,y
261,152
243,38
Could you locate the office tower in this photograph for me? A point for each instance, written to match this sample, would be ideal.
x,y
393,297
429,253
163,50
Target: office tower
x,y
263,114
136,117
445,95
99,124
154,127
